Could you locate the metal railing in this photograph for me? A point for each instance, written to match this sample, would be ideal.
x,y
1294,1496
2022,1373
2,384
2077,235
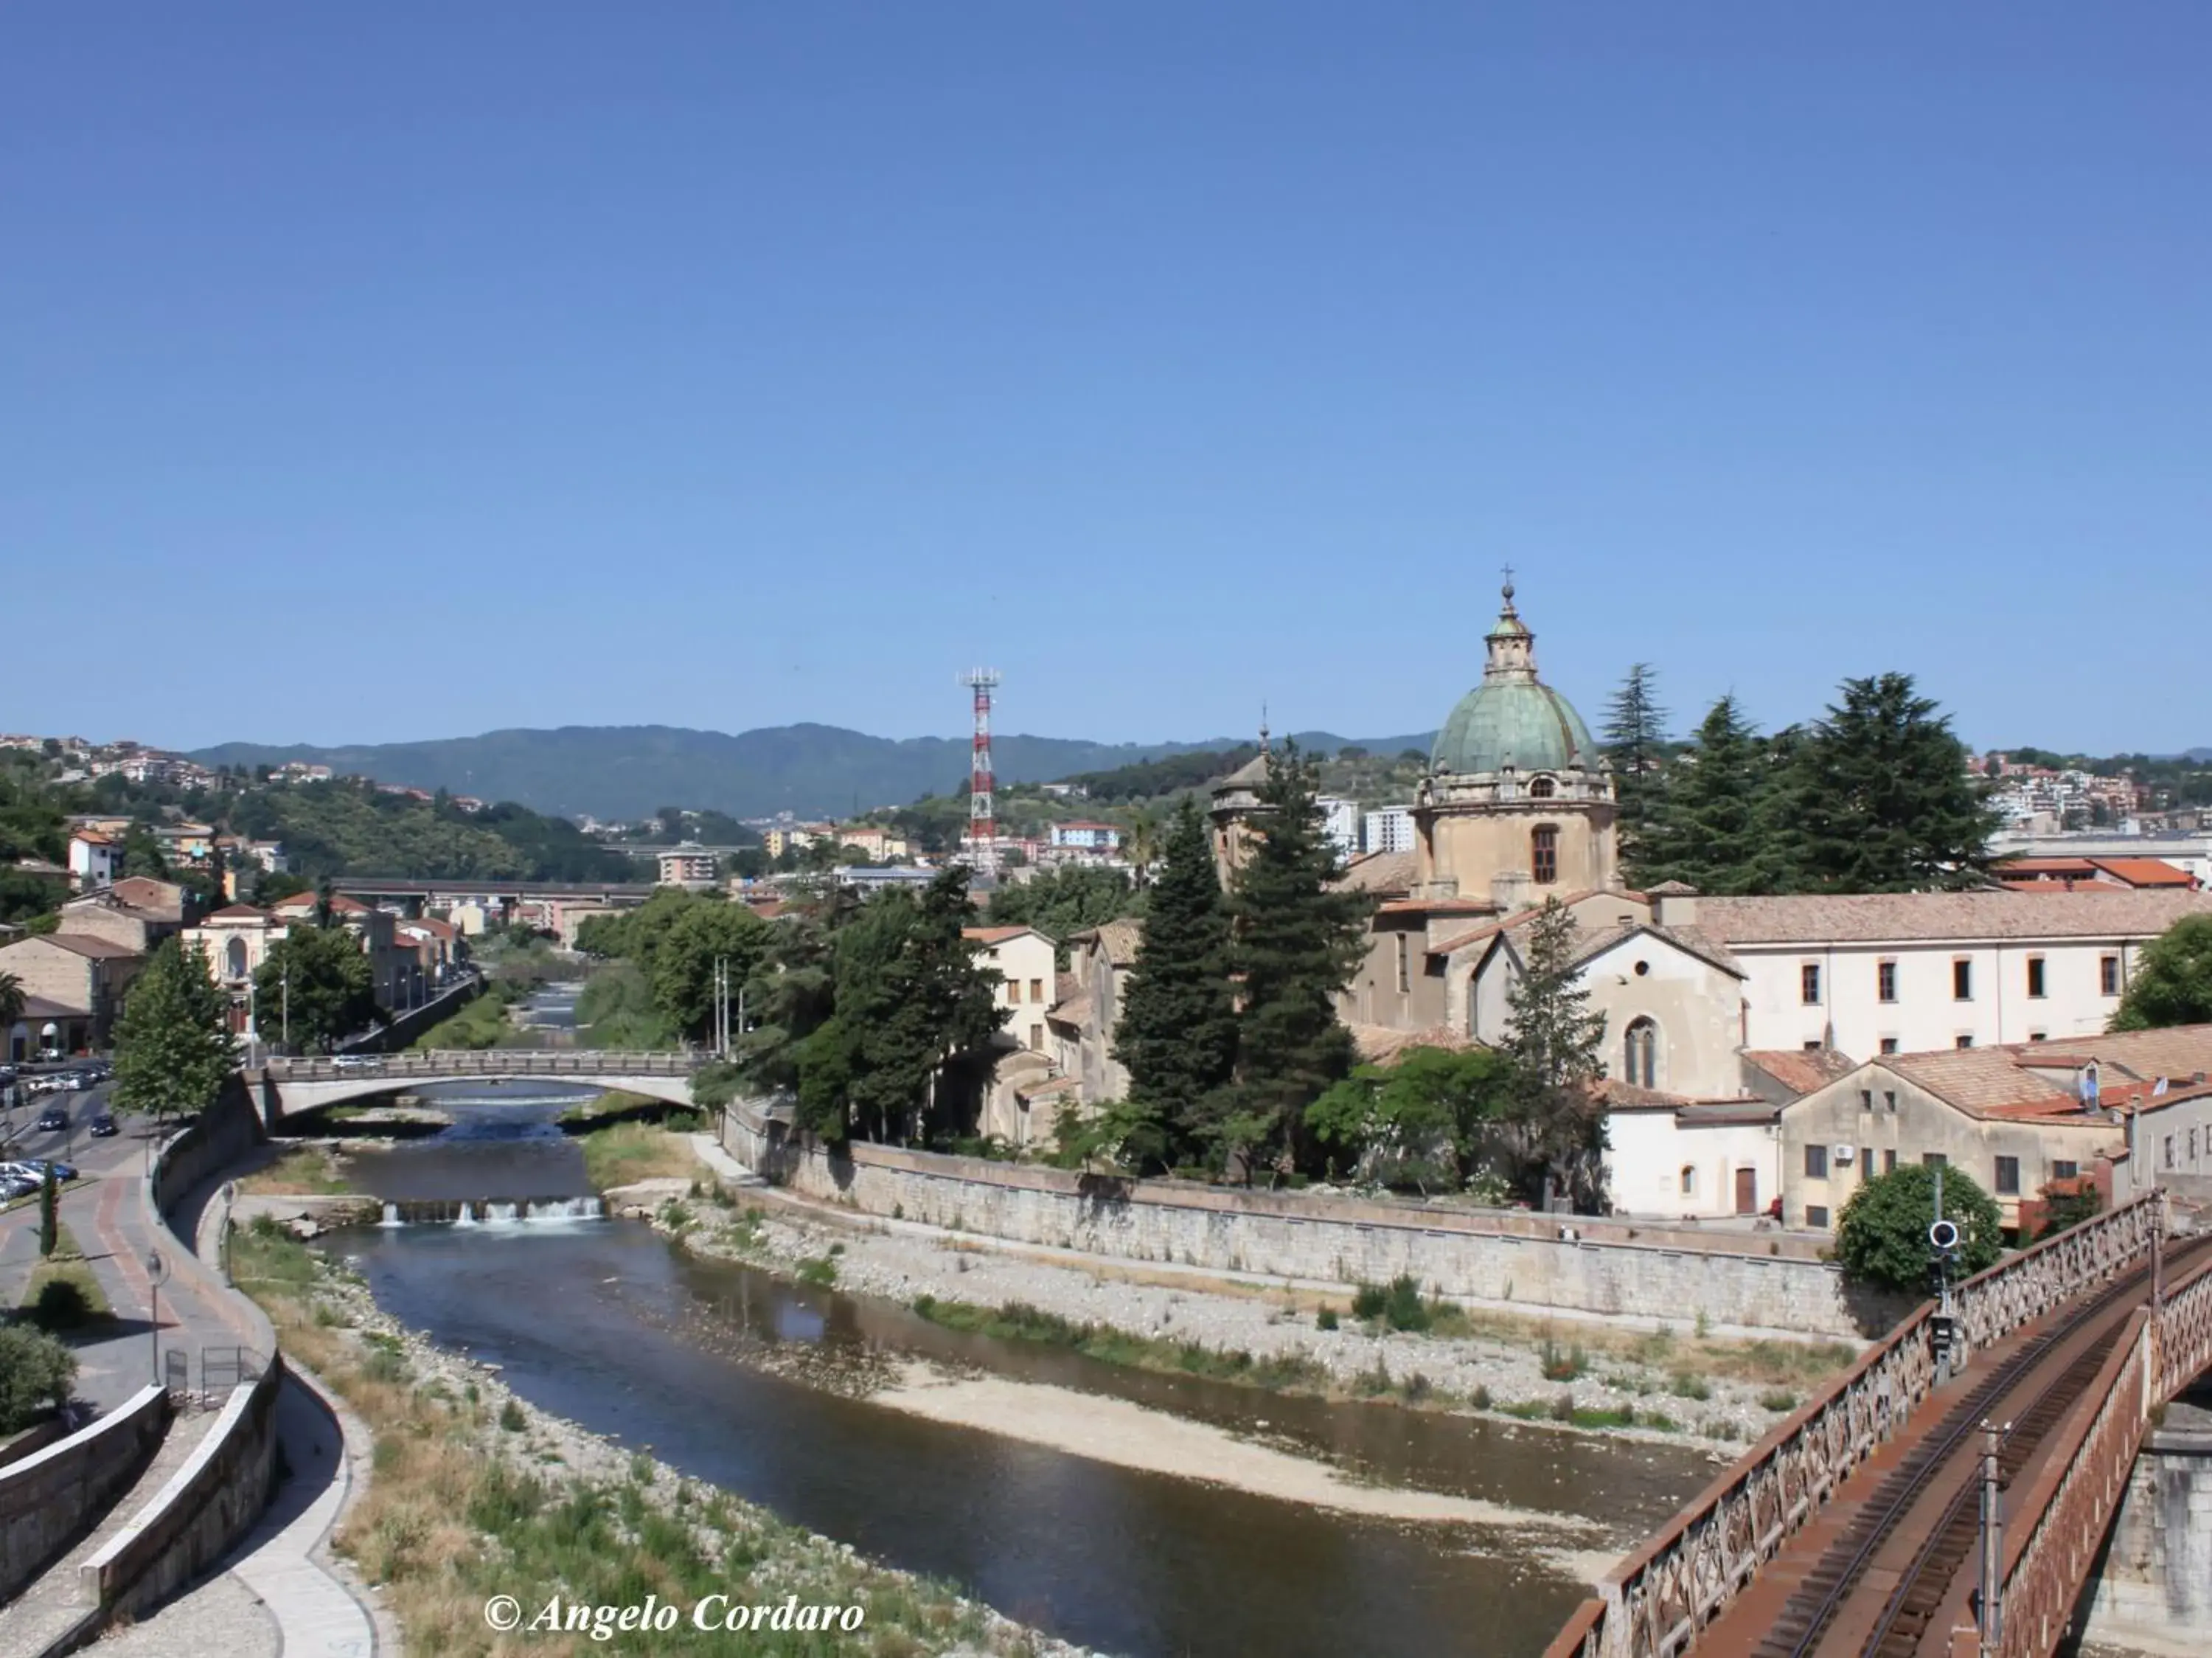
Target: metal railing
x,y
1654,1603
485,1062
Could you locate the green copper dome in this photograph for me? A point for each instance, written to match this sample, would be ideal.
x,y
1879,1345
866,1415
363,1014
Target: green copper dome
x,y
1512,718
1522,723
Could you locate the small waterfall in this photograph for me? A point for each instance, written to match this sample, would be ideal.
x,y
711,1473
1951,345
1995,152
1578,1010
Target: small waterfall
x,y
564,1208
500,1213
391,1216
467,1216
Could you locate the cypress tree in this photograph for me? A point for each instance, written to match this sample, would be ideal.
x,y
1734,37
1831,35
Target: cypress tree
x,y
1893,808
1633,739
1553,1036
1297,942
1706,832
1177,1029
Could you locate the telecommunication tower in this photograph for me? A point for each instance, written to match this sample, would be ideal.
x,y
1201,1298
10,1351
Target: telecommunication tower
x,y
982,817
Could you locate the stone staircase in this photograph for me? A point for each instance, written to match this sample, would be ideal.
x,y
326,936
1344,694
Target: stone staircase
x,y
53,1614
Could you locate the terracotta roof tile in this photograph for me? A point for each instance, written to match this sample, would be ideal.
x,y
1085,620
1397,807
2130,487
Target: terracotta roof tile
x,y
1802,1071
1871,917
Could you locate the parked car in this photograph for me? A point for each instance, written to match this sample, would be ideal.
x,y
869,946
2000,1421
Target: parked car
x,y
53,1118
358,1061
102,1126
12,1186
35,1169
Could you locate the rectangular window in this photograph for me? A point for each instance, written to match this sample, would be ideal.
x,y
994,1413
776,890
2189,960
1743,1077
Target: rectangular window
x,y
2008,1176
1962,980
1813,1047
1884,981
1809,983
1816,1162
1404,966
2169,1151
1816,1216
1889,1160
1889,1045
1866,1099
2064,1169
2035,975
1889,1100
1964,1042
2037,1036
1934,1159
1544,853
2108,975
1037,990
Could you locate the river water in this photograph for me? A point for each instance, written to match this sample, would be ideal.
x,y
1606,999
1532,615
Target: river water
x,y
731,1375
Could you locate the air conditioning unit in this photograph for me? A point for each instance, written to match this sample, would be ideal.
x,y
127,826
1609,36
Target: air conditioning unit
x,y
1844,1154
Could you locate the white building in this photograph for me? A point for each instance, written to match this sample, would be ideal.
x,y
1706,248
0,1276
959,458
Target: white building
x,y
2190,852
1908,972
1390,830
1084,836
1665,1160
94,860
1022,957
1341,823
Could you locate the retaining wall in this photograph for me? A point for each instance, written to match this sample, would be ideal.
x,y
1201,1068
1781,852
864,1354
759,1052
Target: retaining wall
x,y
2155,1578
48,1497
1568,1262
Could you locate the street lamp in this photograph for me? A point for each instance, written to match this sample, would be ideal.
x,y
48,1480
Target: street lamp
x,y
157,1270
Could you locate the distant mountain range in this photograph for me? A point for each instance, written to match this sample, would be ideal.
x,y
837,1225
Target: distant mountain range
x,y
626,771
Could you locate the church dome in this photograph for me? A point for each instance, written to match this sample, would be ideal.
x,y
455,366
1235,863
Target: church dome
x,y
1512,718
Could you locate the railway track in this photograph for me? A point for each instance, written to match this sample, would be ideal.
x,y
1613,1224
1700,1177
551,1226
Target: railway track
x,y
2077,1347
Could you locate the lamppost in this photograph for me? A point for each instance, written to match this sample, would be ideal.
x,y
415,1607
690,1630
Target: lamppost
x,y
157,1270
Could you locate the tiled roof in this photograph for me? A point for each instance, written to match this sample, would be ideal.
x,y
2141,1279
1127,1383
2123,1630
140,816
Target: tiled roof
x,y
1075,1012
1380,872
1379,1042
2036,1078
1803,1070
2147,872
1050,1085
995,935
86,945
1873,918
239,912
1119,938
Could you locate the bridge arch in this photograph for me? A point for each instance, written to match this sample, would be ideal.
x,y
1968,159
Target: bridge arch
x,y
290,1088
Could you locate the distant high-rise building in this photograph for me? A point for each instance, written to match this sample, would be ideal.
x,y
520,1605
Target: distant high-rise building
x,y
1390,830
1340,822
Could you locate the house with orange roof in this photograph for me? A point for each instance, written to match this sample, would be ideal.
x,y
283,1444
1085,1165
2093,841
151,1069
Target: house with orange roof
x,y
2130,1110
95,858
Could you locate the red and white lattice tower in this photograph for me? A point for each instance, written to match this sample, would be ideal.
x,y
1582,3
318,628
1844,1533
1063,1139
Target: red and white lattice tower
x,y
982,817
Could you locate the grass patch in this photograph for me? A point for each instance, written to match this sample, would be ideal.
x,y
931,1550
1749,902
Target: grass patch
x,y
818,1270
63,1295
1686,1385
301,1171
1778,1401
636,1151
1019,1321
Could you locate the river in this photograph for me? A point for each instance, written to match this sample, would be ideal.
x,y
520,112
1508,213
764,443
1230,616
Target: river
x,y
735,1376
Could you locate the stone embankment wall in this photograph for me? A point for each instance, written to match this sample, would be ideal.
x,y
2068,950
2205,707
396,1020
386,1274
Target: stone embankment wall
x,y
2154,1585
408,1026
1745,1280
48,1497
214,1499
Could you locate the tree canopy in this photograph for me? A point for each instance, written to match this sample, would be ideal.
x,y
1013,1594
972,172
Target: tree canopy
x,y
315,988
1060,902
1881,1236
1428,1120
1634,737
1556,1118
173,1043
2173,980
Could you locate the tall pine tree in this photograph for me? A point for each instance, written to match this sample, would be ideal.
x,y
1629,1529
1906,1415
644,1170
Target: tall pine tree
x,y
1891,806
1297,939
1634,738
1707,831
1553,1036
1177,1029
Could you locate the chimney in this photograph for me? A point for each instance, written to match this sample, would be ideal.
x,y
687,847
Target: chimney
x,y
1677,908
1509,890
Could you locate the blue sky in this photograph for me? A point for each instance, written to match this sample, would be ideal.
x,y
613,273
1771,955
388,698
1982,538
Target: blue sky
x,y
405,370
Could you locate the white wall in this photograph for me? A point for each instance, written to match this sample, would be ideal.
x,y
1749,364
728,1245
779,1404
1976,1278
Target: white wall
x,y
1851,1016
1025,966
1651,1148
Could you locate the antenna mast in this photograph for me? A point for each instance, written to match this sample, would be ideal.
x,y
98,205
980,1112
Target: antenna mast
x,y
982,817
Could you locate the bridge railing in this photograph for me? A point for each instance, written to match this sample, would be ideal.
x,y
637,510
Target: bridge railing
x,y
485,1062
1654,1602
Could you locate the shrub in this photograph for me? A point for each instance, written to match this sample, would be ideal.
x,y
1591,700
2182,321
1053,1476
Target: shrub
x,y
62,1305
1686,1385
1563,1408
1325,1319
1369,1301
1776,1400
36,1374
1479,1397
1403,1307
1881,1236
510,1417
819,1270
1571,1364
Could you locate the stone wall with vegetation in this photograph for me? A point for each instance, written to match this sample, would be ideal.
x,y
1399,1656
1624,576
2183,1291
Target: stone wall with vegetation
x,y
1569,1262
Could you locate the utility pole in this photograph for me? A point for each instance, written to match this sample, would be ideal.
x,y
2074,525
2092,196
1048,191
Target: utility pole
x,y
1991,1621
285,979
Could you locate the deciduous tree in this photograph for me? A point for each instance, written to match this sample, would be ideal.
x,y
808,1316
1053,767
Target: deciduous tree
x,y
1881,1236
2173,980
1428,1118
1176,1033
316,983
173,1044
683,961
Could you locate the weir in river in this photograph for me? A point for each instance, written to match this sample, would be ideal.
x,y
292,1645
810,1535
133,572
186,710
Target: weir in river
x,y
489,1211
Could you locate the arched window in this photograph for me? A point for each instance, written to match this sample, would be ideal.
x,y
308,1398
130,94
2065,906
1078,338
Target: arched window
x,y
1642,1055
1544,853
233,959
1689,1181
1542,789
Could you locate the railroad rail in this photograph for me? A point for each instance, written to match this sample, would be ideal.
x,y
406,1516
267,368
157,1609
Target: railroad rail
x,y
1657,1601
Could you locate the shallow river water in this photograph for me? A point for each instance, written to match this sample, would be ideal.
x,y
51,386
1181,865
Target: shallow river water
x,y
744,1379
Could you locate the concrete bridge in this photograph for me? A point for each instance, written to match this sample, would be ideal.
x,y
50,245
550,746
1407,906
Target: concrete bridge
x,y
285,1088
1855,1526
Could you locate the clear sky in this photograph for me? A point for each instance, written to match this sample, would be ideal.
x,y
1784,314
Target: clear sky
x,y
400,370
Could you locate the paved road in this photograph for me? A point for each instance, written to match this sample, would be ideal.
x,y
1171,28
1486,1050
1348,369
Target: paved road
x,y
101,1210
